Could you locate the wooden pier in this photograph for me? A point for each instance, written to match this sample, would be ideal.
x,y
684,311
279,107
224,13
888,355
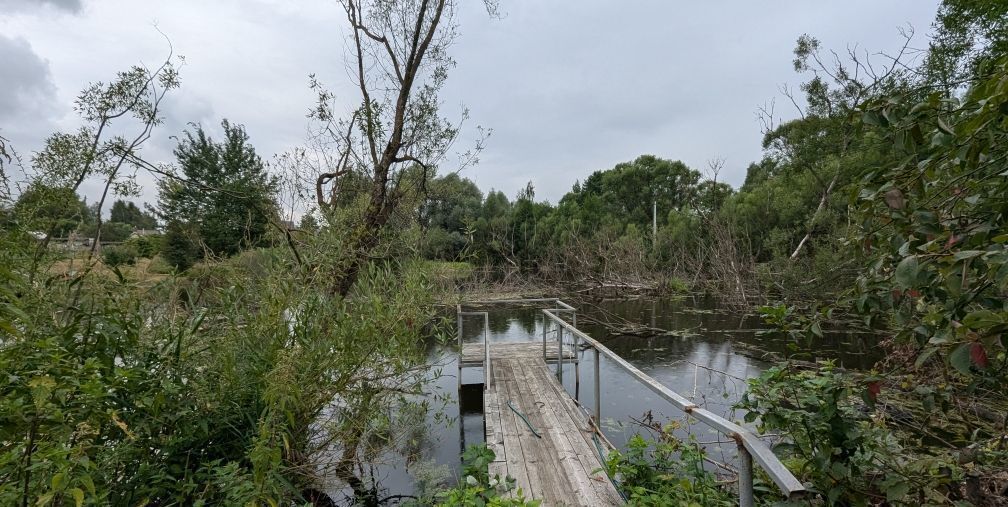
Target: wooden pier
x,y
548,442
560,465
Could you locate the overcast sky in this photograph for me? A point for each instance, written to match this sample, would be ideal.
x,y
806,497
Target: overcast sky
x,y
567,87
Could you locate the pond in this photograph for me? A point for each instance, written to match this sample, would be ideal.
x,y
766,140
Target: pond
x,y
707,358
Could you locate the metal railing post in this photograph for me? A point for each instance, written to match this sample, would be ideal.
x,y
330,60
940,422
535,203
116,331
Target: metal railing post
x,y
751,448
546,323
459,313
577,368
487,377
745,477
598,392
560,352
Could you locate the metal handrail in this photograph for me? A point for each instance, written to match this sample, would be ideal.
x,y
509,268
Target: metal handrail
x,y
749,444
487,368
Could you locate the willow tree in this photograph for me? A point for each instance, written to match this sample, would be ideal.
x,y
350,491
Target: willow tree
x,y
117,119
398,59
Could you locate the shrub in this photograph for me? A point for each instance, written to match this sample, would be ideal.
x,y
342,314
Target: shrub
x,y
145,246
115,255
159,266
666,471
178,247
837,441
115,231
478,487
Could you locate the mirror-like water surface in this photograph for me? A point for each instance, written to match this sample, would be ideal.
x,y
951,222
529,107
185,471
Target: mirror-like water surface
x,y
707,359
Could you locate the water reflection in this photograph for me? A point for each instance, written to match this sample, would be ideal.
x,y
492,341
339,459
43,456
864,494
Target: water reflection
x,y
708,360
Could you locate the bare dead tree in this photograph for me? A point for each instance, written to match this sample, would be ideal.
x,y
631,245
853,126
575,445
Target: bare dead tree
x,y
398,59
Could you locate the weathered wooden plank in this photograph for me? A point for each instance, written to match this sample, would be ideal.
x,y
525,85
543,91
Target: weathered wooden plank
x,y
556,442
516,462
557,468
579,432
494,431
541,485
556,478
473,353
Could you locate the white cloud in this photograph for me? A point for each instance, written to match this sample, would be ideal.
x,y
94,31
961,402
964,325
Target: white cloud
x,y
31,6
567,90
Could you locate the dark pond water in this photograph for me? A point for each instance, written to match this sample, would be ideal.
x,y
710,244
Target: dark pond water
x,y
707,359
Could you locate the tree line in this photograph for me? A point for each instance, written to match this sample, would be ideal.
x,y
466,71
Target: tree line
x,y
883,203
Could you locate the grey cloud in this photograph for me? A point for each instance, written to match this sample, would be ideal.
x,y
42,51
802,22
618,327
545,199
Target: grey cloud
x,y
25,79
28,104
566,90
74,6
570,91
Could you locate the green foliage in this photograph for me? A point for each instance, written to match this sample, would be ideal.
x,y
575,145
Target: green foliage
x,y
41,208
933,227
178,246
227,199
115,231
834,441
86,399
969,35
107,398
666,471
117,255
478,487
146,246
129,213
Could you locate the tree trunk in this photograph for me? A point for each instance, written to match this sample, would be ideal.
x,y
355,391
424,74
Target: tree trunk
x,y
811,224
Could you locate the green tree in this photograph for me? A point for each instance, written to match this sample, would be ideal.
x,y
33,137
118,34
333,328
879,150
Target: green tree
x,y
42,208
115,231
969,35
180,247
129,213
224,193
400,49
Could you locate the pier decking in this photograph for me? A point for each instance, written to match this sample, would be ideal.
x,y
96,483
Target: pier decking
x,y
550,444
561,466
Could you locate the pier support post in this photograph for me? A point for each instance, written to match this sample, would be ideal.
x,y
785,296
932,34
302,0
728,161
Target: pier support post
x,y
577,367
560,354
460,351
598,392
487,372
745,477
546,324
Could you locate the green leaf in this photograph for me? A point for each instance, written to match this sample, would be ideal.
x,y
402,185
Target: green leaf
x,y
921,359
967,254
960,358
944,127
982,319
57,480
897,491
906,272
88,483
78,496
817,329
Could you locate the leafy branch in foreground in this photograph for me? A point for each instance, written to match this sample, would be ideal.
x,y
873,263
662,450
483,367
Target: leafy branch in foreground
x,y
666,471
479,488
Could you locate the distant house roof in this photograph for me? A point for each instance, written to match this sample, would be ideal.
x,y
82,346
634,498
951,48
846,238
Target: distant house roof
x,y
145,232
290,225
